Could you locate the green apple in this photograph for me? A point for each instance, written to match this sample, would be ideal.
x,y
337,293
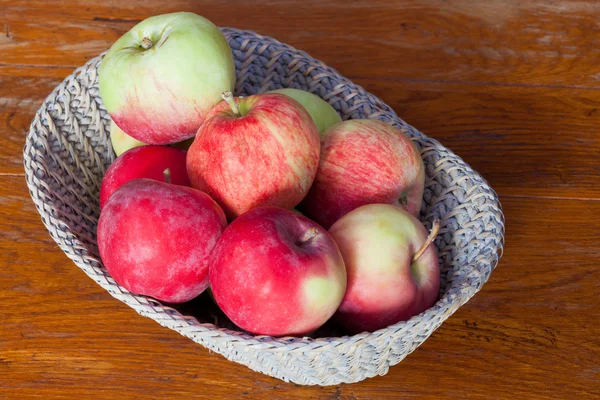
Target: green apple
x,y
322,113
160,79
121,142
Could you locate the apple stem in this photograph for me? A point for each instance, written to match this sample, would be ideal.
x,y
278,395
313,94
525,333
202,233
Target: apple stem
x,y
167,175
309,234
434,231
146,43
228,97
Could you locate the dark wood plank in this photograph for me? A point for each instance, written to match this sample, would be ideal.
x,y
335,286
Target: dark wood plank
x,y
531,42
551,136
532,332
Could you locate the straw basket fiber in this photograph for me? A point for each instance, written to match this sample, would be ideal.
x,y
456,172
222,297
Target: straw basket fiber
x,y
68,150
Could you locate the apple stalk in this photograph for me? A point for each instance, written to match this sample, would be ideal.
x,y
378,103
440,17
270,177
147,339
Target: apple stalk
x,y
146,43
432,235
228,97
167,175
309,234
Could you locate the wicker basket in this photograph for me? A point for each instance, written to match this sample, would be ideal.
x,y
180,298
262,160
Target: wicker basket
x,y
68,150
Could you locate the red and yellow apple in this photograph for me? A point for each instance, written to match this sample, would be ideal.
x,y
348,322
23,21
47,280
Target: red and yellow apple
x,y
156,238
261,150
392,267
364,162
144,162
274,272
159,80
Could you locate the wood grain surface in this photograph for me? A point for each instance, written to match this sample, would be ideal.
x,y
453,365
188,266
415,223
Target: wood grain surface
x,y
513,87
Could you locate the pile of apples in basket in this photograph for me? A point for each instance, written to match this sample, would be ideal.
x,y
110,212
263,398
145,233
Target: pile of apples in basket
x,y
289,215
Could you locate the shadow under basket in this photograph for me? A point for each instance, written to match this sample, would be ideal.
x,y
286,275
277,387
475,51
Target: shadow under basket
x,y
68,150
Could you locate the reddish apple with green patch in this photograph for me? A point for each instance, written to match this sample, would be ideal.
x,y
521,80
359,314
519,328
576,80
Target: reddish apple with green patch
x,y
364,162
274,272
261,150
392,266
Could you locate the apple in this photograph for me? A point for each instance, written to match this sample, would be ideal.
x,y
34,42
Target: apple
x,y
364,162
274,272
156,238
121,141
261,150
144,162
160,79
322,113
392,267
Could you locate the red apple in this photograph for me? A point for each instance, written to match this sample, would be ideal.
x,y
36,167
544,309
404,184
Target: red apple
x,y
144,162
392,266
155,238
364,162
261,150
274,272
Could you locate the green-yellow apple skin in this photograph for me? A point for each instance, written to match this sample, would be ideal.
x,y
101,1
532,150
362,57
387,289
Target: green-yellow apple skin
x,y
322,113
378,242
160,79
121,142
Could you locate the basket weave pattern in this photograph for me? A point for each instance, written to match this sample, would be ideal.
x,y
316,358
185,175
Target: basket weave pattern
x,y
68,150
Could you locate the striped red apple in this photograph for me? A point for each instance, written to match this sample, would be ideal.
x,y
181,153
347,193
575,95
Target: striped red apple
x,y
261,150
364,162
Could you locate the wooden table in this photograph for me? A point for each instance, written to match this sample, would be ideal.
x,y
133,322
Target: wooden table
x,y
512,86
